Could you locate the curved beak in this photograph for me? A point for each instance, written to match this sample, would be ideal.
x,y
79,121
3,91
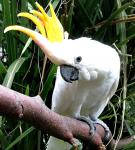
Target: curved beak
x,y
69,73
51,50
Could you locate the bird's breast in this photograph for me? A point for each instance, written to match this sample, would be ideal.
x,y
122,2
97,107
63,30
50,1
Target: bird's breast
x,y
71,99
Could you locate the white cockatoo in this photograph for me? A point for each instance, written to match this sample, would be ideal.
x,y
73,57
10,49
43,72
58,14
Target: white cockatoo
x,y
87,78
85,82
87,75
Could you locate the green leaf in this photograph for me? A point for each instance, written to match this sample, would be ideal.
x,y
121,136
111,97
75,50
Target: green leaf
x,y
2,68
70,14
12,70
102,31
9,17
26,46
49,80
118,11
27,91
19,138
2,136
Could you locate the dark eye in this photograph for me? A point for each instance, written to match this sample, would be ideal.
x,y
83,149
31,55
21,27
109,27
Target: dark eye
x,y
78,59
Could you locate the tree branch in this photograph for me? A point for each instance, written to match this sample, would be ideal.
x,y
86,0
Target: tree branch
x,y
33,110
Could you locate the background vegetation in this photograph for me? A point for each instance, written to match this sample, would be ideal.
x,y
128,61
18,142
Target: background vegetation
x,y
21,62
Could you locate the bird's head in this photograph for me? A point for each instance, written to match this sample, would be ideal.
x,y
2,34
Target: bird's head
x,y
78,59
87,60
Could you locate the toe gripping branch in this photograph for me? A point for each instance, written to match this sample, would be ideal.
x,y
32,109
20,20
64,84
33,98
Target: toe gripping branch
x,y
92,124
89,122
107,137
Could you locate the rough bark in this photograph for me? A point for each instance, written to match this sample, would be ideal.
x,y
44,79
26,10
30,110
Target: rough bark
x,y
34,111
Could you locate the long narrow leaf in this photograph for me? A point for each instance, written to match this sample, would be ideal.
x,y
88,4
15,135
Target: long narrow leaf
x,y
49,80
12,70
8,14
19,138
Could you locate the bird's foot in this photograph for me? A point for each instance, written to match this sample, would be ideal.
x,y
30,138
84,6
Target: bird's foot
x,y
92,123
89,122
107,130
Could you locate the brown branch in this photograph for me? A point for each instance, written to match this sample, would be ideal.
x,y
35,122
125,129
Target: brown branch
x,y
128,18
34,111
122,143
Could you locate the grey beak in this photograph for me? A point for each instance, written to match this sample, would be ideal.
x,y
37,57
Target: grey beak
x,y
69,73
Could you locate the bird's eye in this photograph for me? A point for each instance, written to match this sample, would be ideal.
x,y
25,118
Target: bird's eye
x,y
78,59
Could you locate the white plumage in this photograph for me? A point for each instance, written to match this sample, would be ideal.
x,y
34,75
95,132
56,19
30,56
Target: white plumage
x,y
99,69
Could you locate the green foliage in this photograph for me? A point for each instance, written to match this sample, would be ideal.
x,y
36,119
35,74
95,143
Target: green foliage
x,y
19,138
21,71
111,22
130,146
12,70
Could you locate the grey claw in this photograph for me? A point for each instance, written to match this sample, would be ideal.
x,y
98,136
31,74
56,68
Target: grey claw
x,y
107,130
89,122
107,137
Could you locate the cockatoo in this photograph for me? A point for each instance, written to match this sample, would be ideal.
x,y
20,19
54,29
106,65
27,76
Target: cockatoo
x,y
85,82
87,75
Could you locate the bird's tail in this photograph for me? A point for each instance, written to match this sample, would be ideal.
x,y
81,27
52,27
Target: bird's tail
x,y
57,144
